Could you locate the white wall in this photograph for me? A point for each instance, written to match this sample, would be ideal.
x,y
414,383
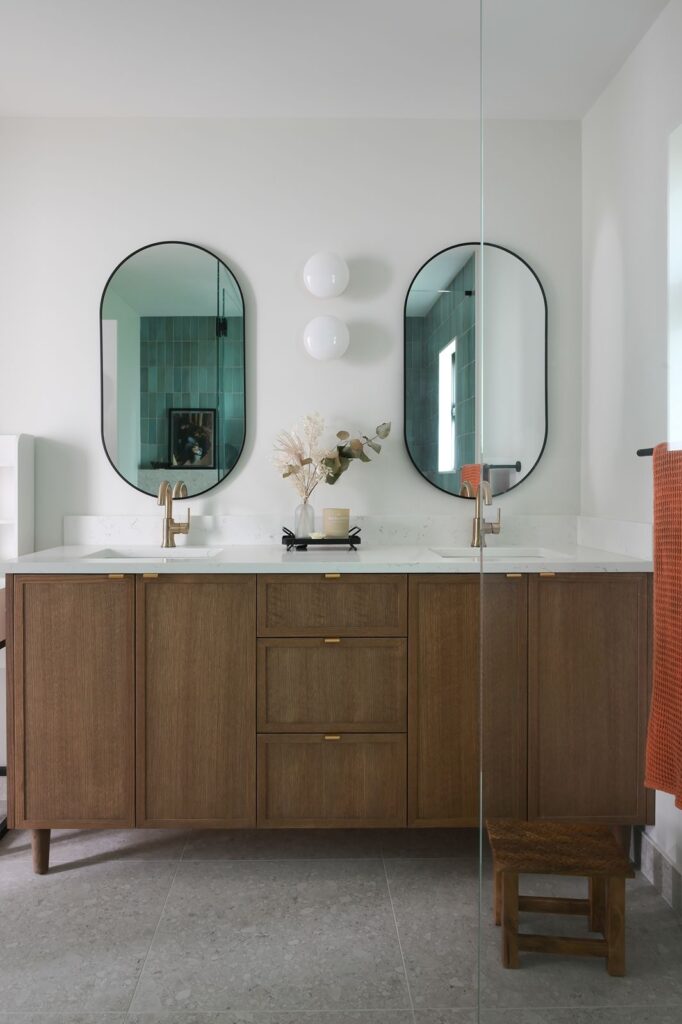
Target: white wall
x,y
625,183
76,196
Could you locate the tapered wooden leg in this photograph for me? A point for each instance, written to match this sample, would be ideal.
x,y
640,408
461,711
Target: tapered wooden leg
x,y
40,844
497,875
615,926
598,904
510,919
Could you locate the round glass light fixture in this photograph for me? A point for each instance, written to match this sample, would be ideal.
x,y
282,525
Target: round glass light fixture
x,y
326,337
326,274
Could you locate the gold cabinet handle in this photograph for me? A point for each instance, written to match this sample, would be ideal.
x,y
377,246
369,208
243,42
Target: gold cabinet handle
x,y
547,575
116,576
150,575
333,737
332,575
514,575
332,640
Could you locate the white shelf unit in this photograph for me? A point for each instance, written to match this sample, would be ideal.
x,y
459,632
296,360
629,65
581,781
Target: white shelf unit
x,y
17,534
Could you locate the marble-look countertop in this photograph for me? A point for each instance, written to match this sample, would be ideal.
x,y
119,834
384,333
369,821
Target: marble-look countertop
x,y
244,558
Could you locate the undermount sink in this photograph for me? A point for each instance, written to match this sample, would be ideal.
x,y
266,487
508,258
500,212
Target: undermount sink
x,y
491,553
153,554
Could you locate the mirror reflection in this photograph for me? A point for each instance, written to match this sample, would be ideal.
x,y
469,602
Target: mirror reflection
x,y
458,404
172,335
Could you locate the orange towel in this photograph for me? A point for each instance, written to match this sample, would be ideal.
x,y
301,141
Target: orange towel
x,y
471,472
664,742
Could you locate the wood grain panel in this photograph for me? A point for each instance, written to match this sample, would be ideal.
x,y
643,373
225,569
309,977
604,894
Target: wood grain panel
x,y
504,682
73,694
196,701
443,700
349,685
372,605
354,781
449,626
588,691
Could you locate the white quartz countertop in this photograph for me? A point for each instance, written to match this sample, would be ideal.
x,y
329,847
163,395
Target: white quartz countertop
x,y
245,558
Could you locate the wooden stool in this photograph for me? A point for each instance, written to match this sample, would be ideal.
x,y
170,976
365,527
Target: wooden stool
x,y
548,848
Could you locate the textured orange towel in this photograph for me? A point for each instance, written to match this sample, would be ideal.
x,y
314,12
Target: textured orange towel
x,y
664,742
472,473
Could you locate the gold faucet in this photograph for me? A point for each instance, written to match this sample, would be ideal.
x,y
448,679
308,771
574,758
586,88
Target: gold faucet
x,y
170,527
484,496
466,489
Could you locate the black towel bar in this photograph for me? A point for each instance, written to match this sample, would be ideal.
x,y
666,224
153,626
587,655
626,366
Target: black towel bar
x,y
645,451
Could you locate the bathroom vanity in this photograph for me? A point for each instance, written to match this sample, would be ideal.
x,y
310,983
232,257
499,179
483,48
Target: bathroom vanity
x,y
244,692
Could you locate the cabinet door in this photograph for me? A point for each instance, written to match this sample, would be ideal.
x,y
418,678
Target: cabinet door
x,y
445,698
336,781
196,701
588,695
72,700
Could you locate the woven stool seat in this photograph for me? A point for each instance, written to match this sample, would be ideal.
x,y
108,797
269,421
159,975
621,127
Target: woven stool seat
x,y
553,848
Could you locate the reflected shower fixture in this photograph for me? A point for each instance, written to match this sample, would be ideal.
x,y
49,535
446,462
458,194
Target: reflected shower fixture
x,y
220,321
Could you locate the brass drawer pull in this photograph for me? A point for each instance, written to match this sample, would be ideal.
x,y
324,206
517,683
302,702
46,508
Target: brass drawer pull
x,y
332,640
150,575
547,575
333,737
514,575
332,575
116,576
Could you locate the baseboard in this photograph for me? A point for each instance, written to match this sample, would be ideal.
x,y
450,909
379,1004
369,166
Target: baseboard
x,y
663,875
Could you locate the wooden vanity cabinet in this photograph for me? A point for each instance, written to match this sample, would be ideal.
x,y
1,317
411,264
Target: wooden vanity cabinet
x,y
448,631
332,700
71,702
588,697
196,701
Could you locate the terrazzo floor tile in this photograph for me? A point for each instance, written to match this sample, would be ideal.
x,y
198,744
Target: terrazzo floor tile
x,y
76,942
445,1017
429,842
282,844
297,935
436,909
595,1015
62,1018
74,848
305,1017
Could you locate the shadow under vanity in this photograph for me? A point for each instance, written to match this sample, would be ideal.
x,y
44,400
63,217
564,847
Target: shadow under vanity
x,y
335,700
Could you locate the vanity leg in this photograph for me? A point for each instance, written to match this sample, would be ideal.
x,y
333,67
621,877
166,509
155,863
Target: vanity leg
x,y
40,844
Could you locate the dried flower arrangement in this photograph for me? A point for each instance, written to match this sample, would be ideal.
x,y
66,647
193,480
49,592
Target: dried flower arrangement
x,y
300,456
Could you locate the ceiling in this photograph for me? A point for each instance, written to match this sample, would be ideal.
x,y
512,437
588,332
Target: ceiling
x,y
312,58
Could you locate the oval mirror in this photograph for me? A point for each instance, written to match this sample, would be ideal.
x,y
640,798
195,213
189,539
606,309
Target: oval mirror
x,y
172,347
470,390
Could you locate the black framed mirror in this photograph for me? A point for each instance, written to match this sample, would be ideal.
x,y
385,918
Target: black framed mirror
x,y
173,367
475,370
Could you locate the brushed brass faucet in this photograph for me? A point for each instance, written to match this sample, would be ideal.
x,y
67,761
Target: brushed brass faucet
x,y
484,496
170,527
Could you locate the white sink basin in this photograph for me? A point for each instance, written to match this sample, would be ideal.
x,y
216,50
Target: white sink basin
x,y
153,554
499,553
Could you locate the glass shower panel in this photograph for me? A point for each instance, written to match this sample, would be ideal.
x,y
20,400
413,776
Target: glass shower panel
x,y
570,927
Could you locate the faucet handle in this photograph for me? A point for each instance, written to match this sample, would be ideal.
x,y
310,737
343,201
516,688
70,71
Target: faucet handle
x,y
496,525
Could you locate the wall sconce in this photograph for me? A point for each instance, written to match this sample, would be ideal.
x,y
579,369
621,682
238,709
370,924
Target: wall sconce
x,y
326,337
326,274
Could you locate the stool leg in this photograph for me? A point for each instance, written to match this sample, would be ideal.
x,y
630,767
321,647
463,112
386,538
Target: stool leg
x,y
615,927
497,874
598,905
510,919
40,844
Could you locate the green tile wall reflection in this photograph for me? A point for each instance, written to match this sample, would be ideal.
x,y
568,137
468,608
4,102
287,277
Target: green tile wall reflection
x,y
184,365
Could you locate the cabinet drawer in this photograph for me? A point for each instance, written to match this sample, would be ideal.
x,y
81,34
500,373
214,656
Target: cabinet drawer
x,y
332,605
348,685
351,781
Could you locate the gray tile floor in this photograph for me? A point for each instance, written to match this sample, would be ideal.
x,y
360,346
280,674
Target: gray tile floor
x,y
159,927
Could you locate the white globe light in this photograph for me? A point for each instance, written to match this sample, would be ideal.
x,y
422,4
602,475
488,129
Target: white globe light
x,y
326,337
326,274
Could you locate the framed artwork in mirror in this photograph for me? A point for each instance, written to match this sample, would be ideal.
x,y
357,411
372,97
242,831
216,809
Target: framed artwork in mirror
x,y
192,438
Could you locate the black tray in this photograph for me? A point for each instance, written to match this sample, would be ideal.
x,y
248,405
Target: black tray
x,y
294,543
